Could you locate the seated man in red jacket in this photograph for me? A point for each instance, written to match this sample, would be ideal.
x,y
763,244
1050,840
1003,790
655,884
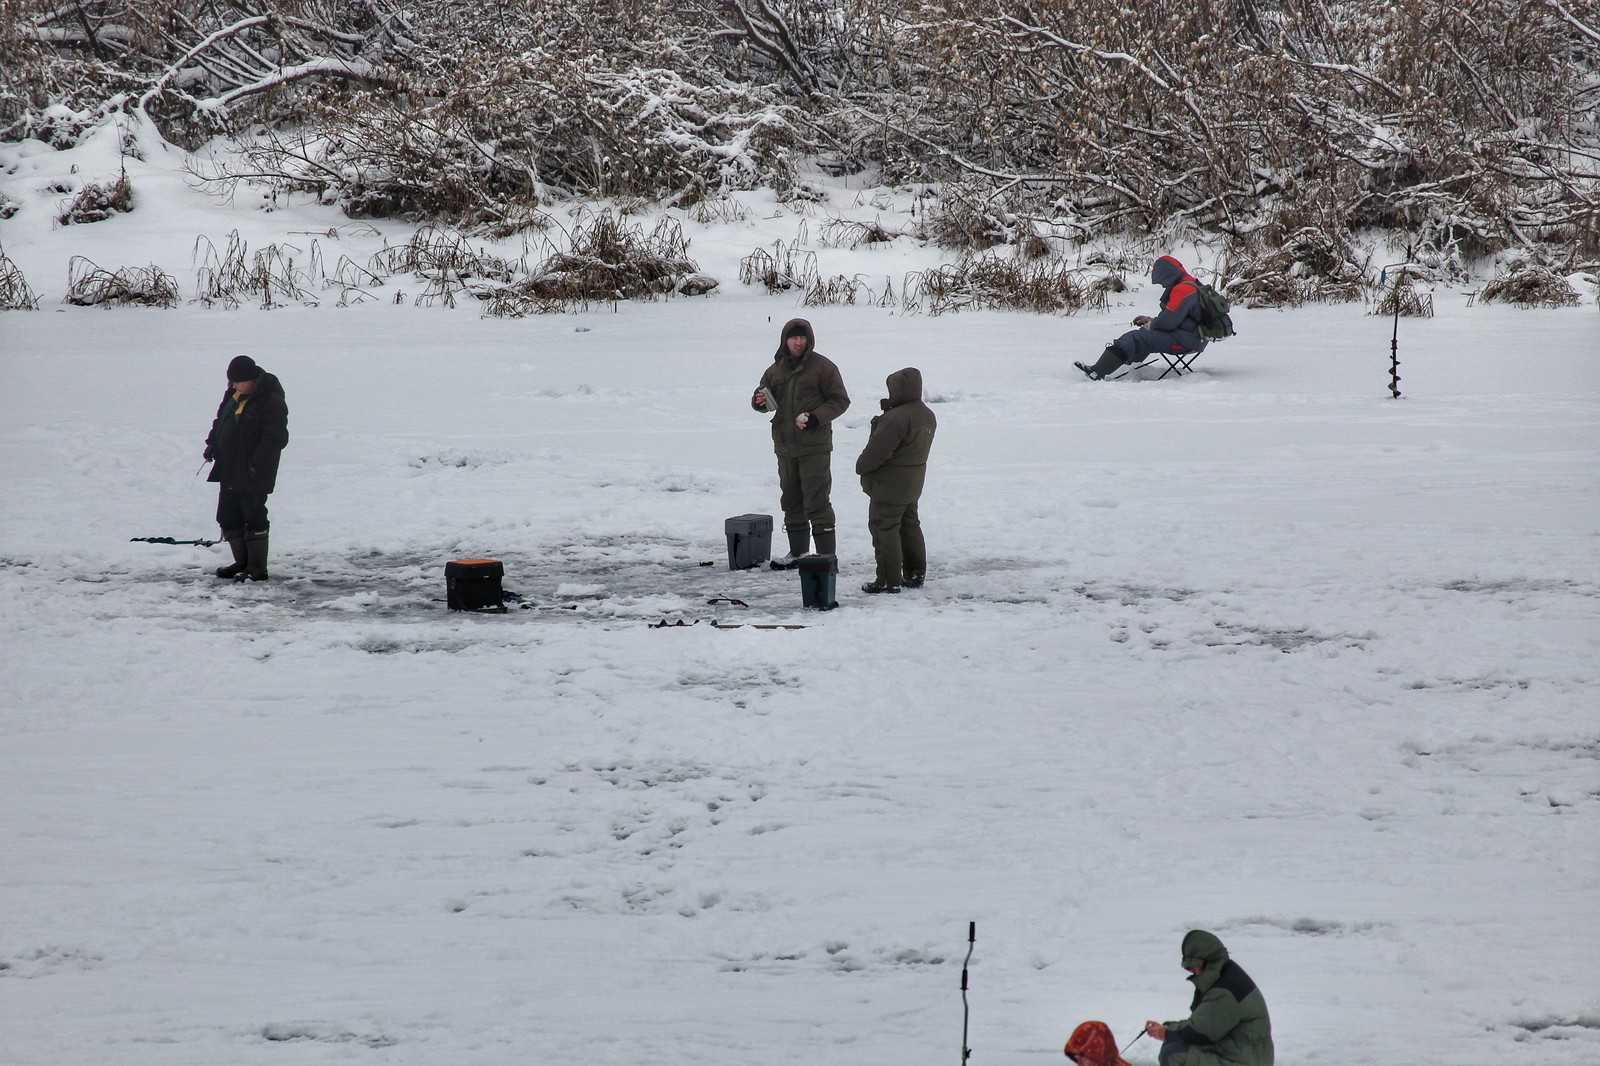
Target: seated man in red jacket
x,y
1175,329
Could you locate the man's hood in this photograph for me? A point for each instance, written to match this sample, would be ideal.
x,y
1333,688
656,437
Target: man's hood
x,y
1201,948
791,326
1167,272
905,386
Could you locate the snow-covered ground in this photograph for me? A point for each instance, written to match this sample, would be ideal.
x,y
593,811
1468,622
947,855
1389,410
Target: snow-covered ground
x,y
1261,650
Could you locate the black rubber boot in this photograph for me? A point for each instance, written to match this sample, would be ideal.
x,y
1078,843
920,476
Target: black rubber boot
x,y
235,539
1109,361
915,579
823,538
255,546
875,587
799,542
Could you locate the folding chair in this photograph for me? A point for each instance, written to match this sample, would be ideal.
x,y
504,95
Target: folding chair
x,y
1178,363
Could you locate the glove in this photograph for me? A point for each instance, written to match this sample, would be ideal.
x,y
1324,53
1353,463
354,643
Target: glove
x,y
804,420
885,404
209,455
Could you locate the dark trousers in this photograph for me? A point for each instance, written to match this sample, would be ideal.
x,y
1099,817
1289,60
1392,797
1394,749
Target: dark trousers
x,y
805,487
1140,344
1172,1049
896,541
240,510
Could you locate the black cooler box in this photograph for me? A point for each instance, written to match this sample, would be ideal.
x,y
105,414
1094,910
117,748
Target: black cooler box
x,y
474,585
749,540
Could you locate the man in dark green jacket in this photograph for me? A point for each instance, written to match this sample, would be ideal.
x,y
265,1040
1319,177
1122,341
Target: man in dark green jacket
x,y
1227,1024
893,467
803,393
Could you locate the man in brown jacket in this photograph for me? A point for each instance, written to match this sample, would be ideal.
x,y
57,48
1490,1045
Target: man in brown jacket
x,y
804,393
893,466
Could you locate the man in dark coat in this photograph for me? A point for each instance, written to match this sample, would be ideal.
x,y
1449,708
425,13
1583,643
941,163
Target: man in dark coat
x,y
1175,329
249,434
804,393
893,466
1228,1023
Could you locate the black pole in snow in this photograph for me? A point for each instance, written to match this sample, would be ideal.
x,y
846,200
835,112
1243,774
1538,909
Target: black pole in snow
x,y
972,937
1394,341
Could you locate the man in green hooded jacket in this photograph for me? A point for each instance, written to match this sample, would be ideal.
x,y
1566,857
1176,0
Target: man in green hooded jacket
x,y
1228,1023
803,392
892,468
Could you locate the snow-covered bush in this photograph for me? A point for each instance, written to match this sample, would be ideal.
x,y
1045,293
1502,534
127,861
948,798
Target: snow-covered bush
x,y
503,138
1044,286
969,215
1303,255
98,201
1464,130
198,67
15,293
848,291
1470,127
606,260
90,285
853,233
785,267
1527,283
1401,298
269,278
444,258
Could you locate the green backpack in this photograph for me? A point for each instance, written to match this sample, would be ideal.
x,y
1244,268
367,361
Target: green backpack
x,y
1215,323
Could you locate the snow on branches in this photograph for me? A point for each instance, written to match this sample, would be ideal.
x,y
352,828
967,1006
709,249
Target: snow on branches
x,y
1472,128
192,65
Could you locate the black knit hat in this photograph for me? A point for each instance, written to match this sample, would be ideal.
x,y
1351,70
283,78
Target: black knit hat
x,y
243,368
